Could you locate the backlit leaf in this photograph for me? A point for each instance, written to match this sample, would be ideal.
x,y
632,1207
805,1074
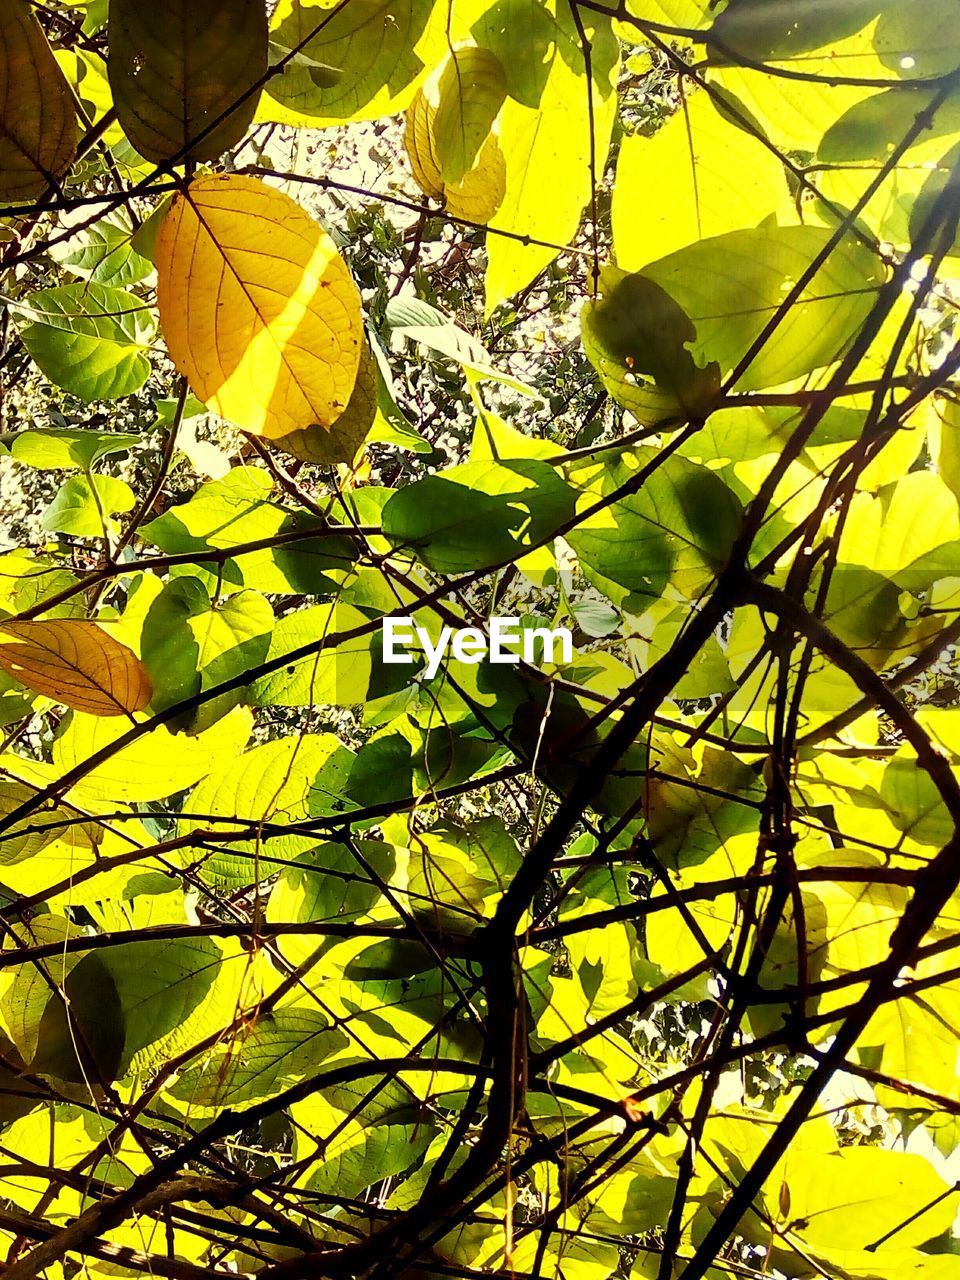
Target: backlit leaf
x,y
479,514
257,307
470,93
349,62
76,663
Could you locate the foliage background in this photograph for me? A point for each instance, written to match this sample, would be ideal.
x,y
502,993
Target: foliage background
x,y
638,319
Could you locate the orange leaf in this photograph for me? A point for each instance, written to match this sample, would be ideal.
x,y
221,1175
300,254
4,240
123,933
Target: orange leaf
x,y
76,663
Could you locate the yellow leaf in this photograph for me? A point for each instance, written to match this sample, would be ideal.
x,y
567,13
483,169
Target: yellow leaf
x,y
550,163
185,67
155,765
76,663
472,89
257,307
698,176
343,440
429,130
38,125
355,61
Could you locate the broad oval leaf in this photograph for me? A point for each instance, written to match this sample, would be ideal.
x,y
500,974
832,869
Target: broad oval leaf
x,y
185,70
77,663
88,338
774,30
478,515
471,91
350,61
38,124
638,339
257,307
104,252
677,526
69,449
711,177
732,286
342,441
549,131
478,194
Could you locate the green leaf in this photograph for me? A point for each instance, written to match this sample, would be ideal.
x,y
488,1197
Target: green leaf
x,y
90,339
864,131
273,781
595,618
638,339
104,253
356,64
85,506
776,30
190,645
328,882
451,341
161,986
679,526
239,509
478,515
472,89
732,286
65,448
278,1049
336,676
545,131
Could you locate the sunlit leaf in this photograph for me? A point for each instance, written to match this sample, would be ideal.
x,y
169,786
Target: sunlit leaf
x,y
91,339
76,663
257,307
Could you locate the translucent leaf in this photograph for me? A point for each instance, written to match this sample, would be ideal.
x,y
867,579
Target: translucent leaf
x,y
479,514
638,339
76,663
731,287
775,30
160,984
338,675
156,765
90,339
238,509
478,193
471,91
711,177
545,132
270,782
190,645
258,309
279,1048
678,526
353,62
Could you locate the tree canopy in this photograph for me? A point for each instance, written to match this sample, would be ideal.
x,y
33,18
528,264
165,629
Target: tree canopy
x,y
637,318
